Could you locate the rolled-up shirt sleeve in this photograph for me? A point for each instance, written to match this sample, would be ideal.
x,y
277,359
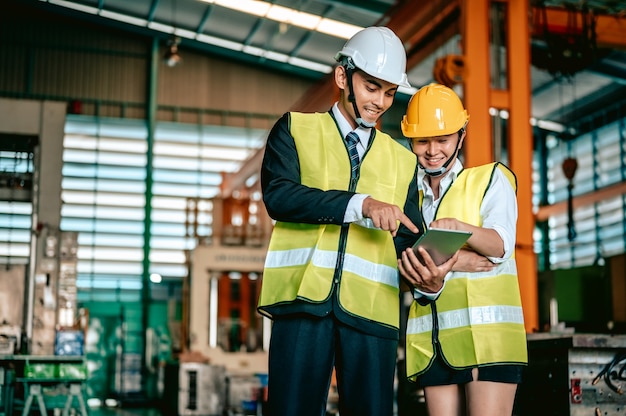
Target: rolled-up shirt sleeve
x,y
425,297
499,213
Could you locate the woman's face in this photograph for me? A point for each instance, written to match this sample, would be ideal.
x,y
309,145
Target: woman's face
x,y
433,152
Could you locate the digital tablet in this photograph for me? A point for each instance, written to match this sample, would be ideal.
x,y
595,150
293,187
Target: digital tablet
x,y
441,244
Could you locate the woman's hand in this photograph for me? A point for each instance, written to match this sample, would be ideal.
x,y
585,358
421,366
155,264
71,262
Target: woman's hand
x,y
426,276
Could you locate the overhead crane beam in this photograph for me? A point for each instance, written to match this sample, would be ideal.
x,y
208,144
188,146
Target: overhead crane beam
x,y
425,28
610,31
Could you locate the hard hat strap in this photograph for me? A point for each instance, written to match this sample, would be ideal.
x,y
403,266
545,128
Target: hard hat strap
x,y
349,66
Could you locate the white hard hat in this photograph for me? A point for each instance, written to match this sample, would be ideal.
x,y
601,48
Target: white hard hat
x,y
378,52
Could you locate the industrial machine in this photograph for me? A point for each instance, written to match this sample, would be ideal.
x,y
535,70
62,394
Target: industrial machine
x,y
575,375
39,334
220,321
39,273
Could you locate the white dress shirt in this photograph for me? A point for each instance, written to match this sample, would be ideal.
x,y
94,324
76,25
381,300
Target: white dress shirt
x,y
354,210
498,210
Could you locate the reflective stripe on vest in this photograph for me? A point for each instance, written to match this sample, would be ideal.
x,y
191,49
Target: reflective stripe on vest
x,y
302,259
465,317
378,273
479,315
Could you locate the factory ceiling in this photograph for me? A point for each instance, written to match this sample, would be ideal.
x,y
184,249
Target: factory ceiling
x,y
578,48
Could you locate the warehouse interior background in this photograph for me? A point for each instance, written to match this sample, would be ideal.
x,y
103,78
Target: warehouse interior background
x,y
131,135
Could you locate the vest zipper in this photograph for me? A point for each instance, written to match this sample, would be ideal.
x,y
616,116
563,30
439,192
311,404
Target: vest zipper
x,y
435,326
341,252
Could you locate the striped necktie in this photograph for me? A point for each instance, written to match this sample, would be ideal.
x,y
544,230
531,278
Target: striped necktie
x,y
352,139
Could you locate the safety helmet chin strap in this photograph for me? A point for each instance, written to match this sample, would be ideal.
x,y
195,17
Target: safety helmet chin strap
x,y
349,67
440,171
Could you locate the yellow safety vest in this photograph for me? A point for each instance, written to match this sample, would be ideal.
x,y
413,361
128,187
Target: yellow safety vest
x,y
302,258
478,318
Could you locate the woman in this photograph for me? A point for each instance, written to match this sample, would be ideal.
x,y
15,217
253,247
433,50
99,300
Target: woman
x,y
465,343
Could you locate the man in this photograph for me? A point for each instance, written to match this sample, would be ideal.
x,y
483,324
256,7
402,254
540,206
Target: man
x,y
330,282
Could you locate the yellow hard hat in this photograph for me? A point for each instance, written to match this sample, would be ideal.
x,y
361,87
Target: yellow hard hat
x,y
434,110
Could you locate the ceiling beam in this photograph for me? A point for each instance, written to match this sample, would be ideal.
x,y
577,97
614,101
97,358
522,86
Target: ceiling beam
x,y
424,27
204,18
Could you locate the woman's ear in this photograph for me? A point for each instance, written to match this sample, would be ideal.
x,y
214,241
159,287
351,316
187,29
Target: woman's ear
x,y
462,138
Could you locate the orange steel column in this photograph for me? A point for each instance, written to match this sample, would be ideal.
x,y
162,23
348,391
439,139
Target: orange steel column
x,y
478,147
521,153
479,97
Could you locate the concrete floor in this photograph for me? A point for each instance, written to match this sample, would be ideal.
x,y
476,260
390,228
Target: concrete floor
x,y
116,411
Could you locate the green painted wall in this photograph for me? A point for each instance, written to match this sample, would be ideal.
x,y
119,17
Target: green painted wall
x,y
583,296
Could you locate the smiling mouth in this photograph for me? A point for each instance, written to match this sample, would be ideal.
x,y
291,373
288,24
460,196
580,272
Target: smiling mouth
x,y
371,112
434,161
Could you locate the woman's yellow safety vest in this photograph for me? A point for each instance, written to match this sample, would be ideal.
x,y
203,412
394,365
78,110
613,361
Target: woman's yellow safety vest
x,y
302,258
477,319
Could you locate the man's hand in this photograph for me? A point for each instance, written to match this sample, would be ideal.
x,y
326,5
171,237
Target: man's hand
x,y
386,216
426,277
470,261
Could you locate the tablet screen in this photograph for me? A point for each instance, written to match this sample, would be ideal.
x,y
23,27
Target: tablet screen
x,y
441,244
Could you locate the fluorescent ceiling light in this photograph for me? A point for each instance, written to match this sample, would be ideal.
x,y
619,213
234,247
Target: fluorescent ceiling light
x,y
255,7
290,16
314,66
72,5
124,18
275,56
253,50
223,43
550,125
189,34
160,27
339,29
294,17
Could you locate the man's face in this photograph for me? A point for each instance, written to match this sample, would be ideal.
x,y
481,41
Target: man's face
x,y
373,95
433,152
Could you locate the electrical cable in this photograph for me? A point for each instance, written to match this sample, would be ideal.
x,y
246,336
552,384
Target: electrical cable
x,y
610,374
